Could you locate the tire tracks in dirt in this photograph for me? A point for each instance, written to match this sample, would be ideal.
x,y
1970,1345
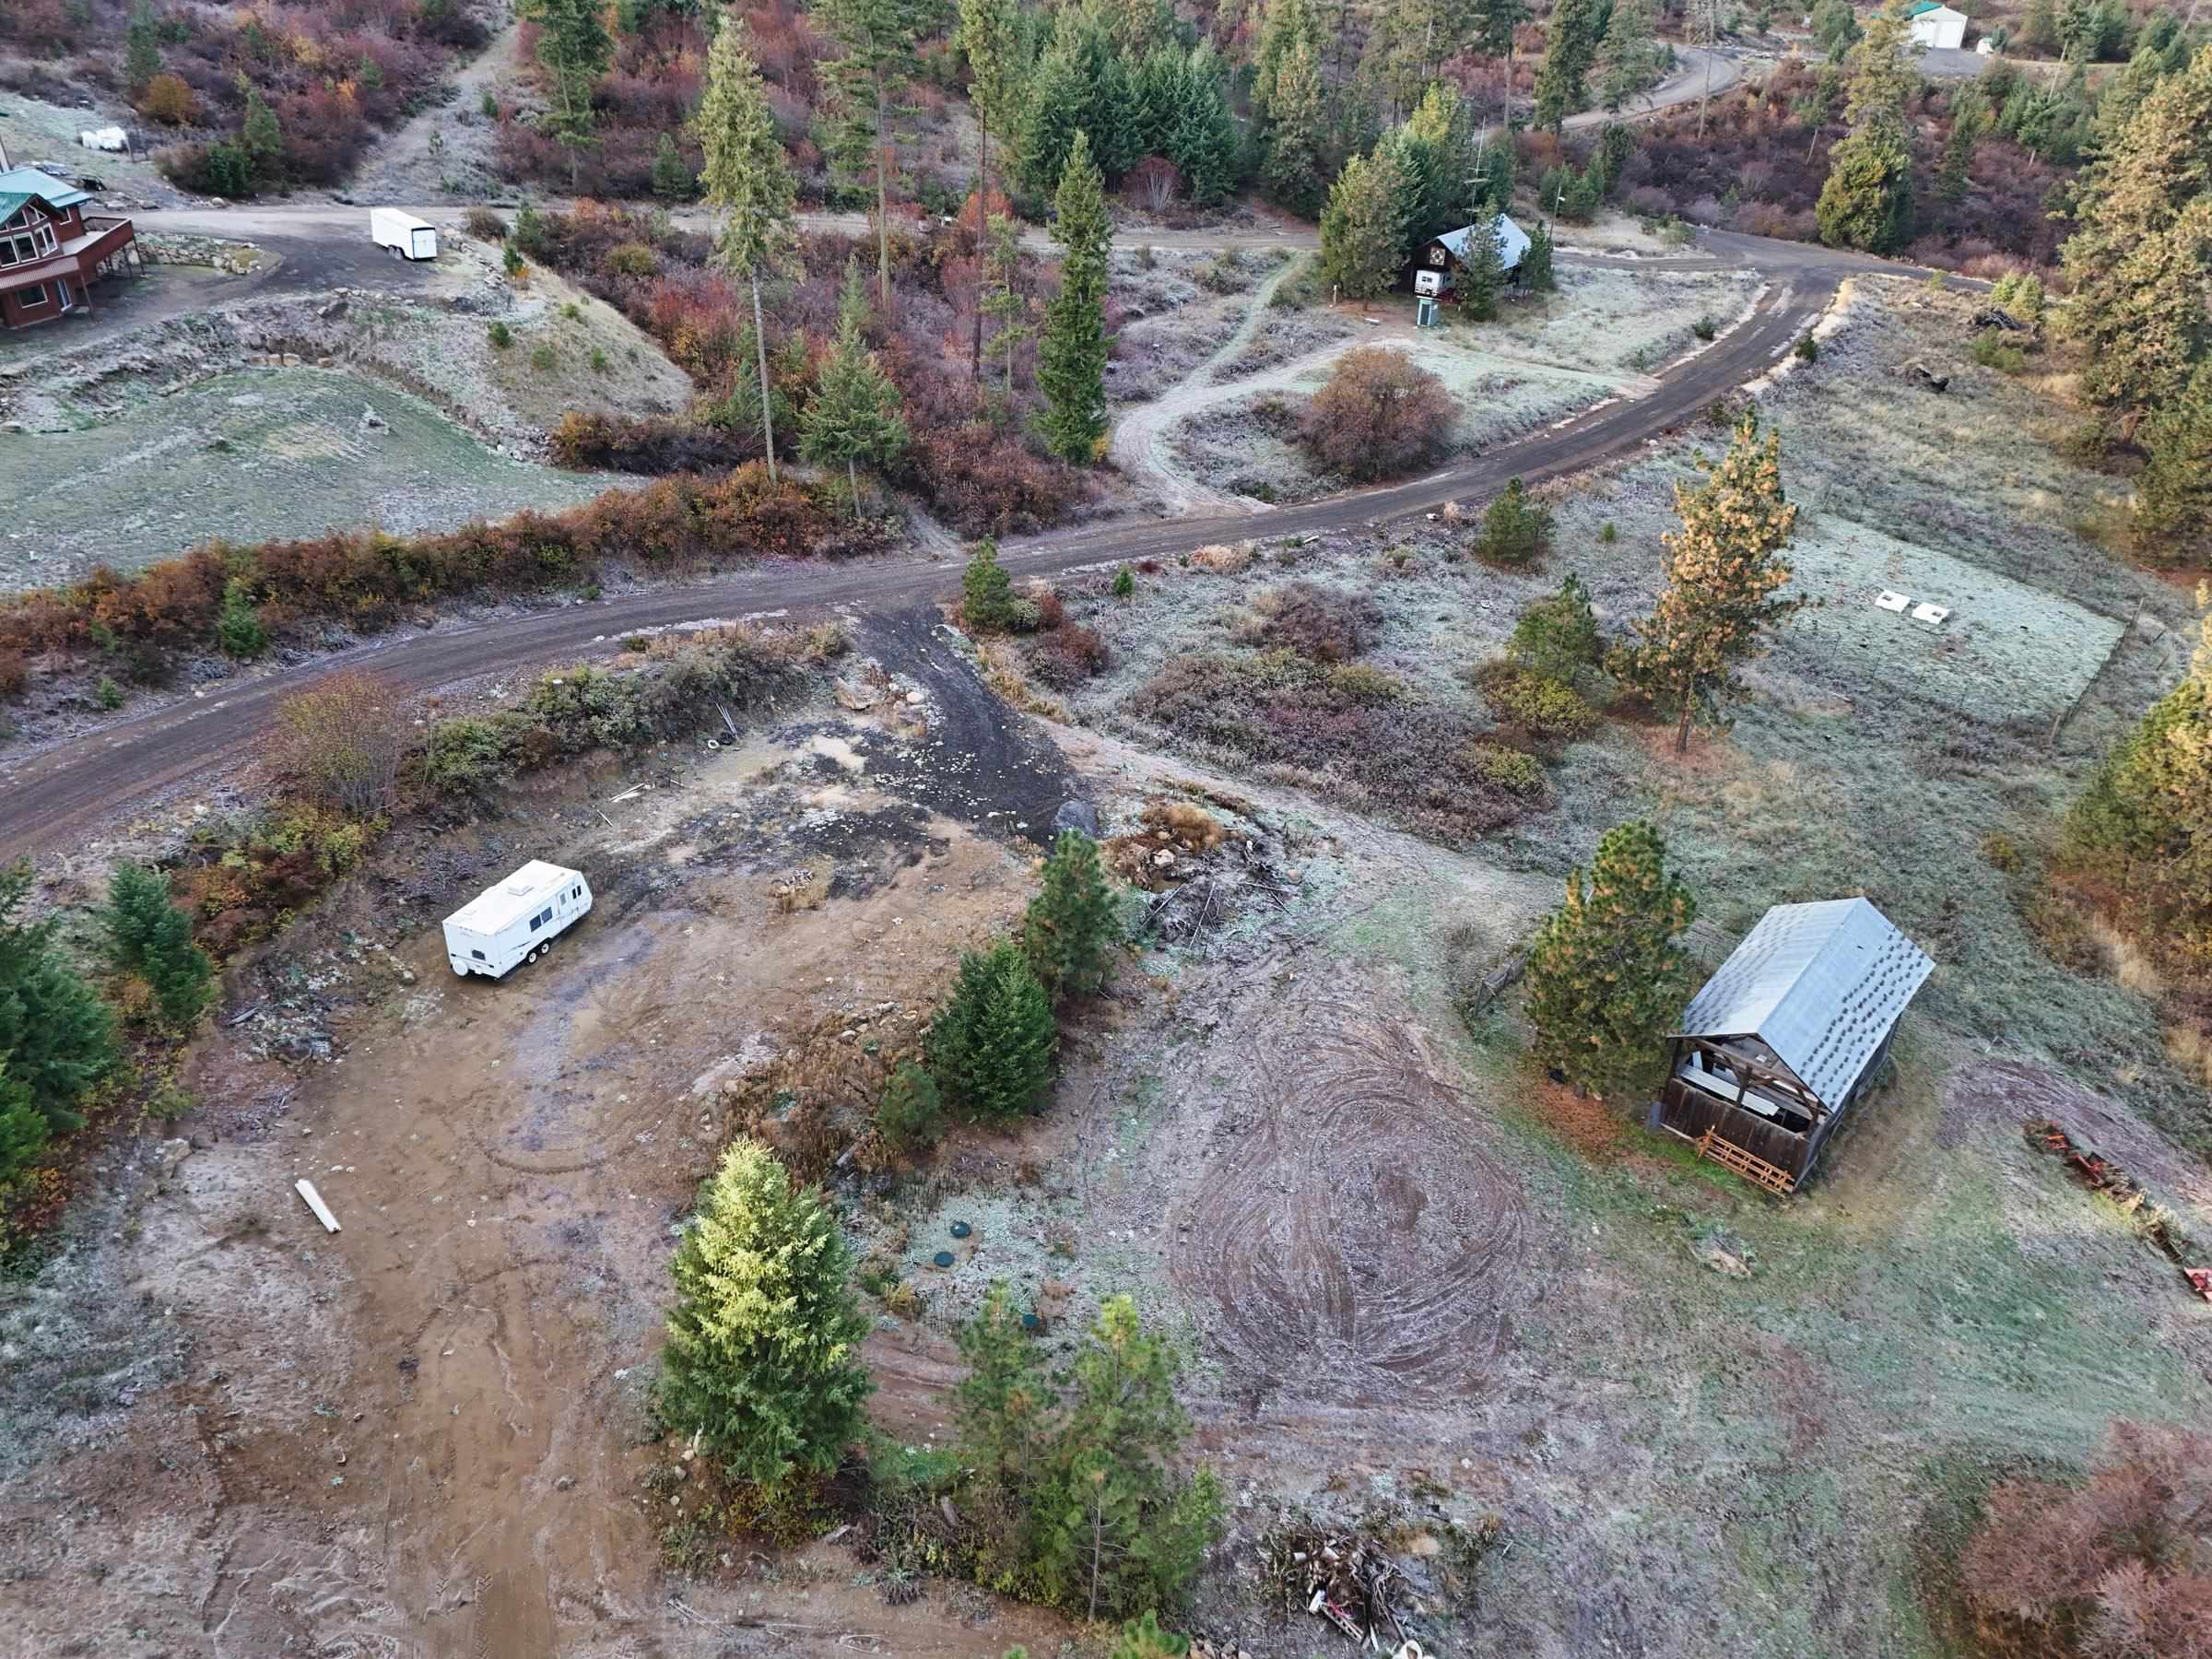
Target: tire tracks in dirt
x,y
1355,1237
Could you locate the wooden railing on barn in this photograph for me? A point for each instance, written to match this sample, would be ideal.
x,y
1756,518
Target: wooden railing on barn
x,y
1749,1165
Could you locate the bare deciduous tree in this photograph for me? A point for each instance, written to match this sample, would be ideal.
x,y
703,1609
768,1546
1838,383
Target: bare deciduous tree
x,y
343,739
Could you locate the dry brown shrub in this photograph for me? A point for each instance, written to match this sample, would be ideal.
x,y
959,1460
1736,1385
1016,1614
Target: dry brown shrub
x,y
1223,559
1327,625
817,1096
15,673
1380,414
168,100
2118,1568
343,739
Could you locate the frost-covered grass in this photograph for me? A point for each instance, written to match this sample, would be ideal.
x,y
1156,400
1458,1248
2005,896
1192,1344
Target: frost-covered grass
x,y
1620,321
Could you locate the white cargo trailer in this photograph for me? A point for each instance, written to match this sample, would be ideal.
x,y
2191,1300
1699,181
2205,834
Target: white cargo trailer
x,y
516,920
407,236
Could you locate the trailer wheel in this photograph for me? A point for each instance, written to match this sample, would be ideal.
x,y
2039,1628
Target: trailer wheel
x,y
396,252
536,951
460,972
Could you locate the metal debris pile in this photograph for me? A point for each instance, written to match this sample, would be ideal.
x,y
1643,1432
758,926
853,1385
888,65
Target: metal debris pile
x,y
1347,1580
2154,1222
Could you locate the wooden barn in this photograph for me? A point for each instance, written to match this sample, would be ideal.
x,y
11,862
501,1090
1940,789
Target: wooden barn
x,y
1441,257
1790,1031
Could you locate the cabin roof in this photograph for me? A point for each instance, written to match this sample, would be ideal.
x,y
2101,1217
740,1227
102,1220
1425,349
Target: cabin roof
x,y
1821,984
1512,241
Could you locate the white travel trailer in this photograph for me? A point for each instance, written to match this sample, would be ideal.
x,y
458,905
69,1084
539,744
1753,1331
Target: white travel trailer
x,y
407,236
516,920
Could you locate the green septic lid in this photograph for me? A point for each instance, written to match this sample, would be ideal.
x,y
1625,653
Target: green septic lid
x,y
943,1258
960,1230
1030,1321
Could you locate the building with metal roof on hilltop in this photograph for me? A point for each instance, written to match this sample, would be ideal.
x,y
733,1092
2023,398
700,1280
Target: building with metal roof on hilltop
x,y
1792,1030
1936,26
1440,257
51,251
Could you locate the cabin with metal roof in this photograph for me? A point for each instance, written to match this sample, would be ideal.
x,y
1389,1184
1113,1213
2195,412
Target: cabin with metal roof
x,y
1936,26
51,251
1441,257
1792,1029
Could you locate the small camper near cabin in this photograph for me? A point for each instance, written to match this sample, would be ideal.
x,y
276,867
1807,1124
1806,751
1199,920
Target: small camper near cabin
x,y
515,921
1438,262
1791,1031
407,236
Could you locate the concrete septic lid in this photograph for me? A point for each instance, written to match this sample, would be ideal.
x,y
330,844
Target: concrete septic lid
x,y
943,1258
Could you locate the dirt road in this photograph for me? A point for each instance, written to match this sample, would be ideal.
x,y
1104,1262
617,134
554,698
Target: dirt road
x,y
60,792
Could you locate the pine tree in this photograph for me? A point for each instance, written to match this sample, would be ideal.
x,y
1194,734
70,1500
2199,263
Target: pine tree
x,y
1605,979
1206,145
989,37
261,138
1516,530
986,591
1866,201
1143,1639
1002,1411
1285,26
1569,48
762,1360
148,937
1052,118
1537,275
991,1046
1069,926
238,626
875,42
1072,350
911,1113
1002,302
2173,495
1629,57
747,181
142,47
855,413
1966,122
1296,122
56,1036
1481,274
1361,247
23,1131
1719,607
1557,637
2138,262
574,50
1118,1529
671,180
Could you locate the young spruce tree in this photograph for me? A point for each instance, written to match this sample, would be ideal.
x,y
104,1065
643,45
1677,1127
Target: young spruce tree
x,y
149,936
762,1361
991,1046
855,413
56,1035
1604,976
1071,353
986,591
1071,923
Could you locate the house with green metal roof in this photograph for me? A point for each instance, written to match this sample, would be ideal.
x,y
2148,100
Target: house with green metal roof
x,y
51,251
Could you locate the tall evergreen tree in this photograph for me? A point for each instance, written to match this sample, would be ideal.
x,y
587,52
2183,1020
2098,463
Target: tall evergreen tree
x,y
1481,274
855,413
2174,496
1536,274
1297,126
875,42
23,1131
1072,923
142,47
1569,48
2137,264
56,1036
1072,350
1285,25
1604,977
1002,302
1362,252
1052,115
1206,145
762,1361
1002,1411
1719,607
1628,59
574,50
148,937
261,138
1866,201
748,182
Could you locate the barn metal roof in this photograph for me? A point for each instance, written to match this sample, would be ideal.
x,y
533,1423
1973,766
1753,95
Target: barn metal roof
x,y
1512,241
1820,985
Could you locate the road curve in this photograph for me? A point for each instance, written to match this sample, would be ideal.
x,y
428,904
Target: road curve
x,y
62,793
